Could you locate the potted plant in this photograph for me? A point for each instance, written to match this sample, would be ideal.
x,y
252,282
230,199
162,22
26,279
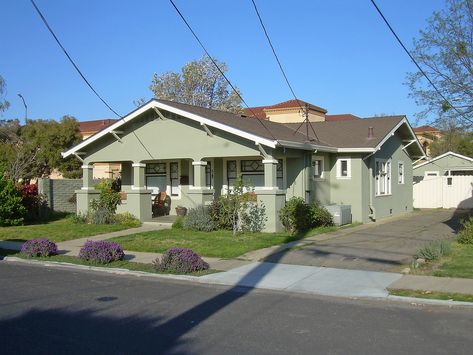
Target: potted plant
x,y
181,210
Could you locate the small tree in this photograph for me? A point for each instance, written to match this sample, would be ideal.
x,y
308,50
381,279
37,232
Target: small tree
x,y
12,211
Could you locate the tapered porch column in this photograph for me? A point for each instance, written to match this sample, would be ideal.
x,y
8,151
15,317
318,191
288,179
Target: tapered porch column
x,y
87,193
200,193
270,174
139,198
271,196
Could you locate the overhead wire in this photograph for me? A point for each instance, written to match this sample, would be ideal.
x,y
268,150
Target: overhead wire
x,y
220,70
282,70
76,67
417,64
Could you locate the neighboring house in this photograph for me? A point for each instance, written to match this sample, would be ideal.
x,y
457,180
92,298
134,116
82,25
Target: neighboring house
x,y
196,154
101,170
444,181
426,136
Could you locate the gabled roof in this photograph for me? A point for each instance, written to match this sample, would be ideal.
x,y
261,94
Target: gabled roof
x,y
259,111
336,136
425,128
443,156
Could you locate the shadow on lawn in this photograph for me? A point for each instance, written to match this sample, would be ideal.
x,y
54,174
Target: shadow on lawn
x,y
71,332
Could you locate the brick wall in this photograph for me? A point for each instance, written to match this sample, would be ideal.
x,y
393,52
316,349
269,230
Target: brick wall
x,y
60,193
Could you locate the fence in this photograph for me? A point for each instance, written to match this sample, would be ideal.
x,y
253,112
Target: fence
x,y
444,192
60,193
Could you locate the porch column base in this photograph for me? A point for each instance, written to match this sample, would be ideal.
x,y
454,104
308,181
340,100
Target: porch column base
x,y
83,199
139,204
201,196
273,200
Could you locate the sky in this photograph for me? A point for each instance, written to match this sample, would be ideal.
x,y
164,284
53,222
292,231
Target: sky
x,y
338,54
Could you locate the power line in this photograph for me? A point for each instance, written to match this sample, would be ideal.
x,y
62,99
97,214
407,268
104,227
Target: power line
x,y
282,71
82,75
218,68
417,64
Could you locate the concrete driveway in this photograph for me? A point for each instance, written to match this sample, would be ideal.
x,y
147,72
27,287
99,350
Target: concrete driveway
x,y
383,246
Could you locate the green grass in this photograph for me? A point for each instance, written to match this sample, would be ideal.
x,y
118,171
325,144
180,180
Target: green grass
x,y
122,264
432,295
57,230
458,264
211,244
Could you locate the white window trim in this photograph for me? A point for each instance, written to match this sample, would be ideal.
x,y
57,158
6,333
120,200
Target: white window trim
x,y
432,174
322,174
399,163
339,168
389,182
168,178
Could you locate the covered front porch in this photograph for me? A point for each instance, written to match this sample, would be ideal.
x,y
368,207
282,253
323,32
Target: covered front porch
x,y
191,182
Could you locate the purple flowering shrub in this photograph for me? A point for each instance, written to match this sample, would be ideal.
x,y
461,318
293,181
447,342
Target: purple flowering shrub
x,y
101,251
39,247
181,260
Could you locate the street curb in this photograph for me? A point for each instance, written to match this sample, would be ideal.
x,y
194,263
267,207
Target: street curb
x,y
198,279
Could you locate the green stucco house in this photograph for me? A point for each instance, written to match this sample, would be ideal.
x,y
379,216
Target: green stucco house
x,y
196,154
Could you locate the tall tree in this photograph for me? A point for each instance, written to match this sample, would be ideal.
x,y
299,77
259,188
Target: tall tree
x,y
453,140
4,104
199,84
444,50
34,150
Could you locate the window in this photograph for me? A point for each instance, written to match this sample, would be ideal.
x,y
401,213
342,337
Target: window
x,y
383,177
231,172
400,171
174,176
280,174
343,168
156,179
317,167
156,168
431,174
252,172
208,174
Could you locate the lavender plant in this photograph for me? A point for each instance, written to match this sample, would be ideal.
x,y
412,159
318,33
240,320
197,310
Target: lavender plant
x,y
180,260
102,251
39,247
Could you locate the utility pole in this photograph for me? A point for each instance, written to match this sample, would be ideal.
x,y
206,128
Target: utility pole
x,y
26,107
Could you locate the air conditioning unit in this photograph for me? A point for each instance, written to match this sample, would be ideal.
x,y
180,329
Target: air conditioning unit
x,y
341,214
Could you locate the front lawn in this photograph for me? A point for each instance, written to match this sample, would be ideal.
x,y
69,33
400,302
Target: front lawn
x,y
458,264
220,243
57,230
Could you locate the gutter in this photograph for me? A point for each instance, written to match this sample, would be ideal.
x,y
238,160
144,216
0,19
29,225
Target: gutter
x,y
372,215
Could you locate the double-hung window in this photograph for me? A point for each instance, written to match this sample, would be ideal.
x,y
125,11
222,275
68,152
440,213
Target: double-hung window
x,y
343,168
317,167
156,177
400,172
383,177
252,172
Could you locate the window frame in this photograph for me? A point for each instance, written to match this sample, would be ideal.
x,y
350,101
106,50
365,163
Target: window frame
x,y
401,177
387,177
321,176
339,168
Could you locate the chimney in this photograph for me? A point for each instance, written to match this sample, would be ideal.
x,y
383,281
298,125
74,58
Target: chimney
x,y
370,132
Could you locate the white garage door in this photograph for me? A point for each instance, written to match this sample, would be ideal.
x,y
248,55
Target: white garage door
x,y
444,191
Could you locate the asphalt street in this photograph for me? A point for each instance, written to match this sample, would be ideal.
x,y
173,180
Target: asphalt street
x,y
49,310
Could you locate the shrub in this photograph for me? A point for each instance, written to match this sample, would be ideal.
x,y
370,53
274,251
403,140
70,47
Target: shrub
x,y
465,236
319,216
102,251
254,219
34,202
100,215
12,211
199,219
39,247
109,198
127,219
221,213
79,218
179,223
434,250
295,216
180,260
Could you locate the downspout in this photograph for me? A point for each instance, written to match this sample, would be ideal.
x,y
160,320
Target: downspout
x,y
372,215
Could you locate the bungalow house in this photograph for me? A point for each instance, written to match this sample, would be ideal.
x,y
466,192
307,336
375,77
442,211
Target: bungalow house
x,y
196,154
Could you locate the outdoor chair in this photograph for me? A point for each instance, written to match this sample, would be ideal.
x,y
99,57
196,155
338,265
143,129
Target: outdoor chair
x,y
161,204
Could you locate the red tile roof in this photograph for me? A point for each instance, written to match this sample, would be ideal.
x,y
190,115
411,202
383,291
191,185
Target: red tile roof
x,y
259,110
341,117
91,127
425,128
